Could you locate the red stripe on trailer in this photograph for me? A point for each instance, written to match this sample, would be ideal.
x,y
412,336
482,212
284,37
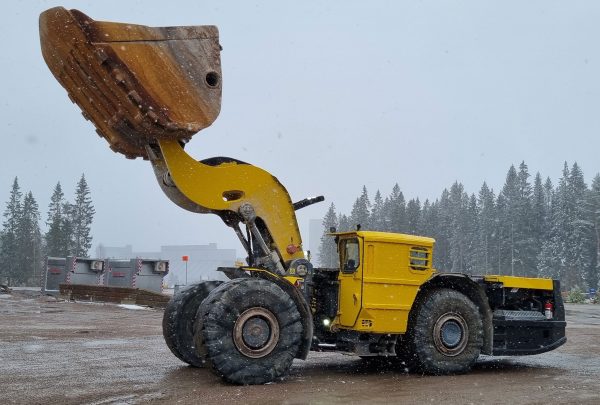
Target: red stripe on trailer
x,y
73,266
138,271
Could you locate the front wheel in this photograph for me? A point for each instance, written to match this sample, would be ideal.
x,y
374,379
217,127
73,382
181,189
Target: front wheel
x,y
250,329
447,333
179,318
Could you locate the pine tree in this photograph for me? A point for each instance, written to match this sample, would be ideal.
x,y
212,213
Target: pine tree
x,y
360,214
396,211
548,198
593,204
548,257
56,237
503,233
443,233
343,223
487,230
516,243
413,216
9,237
539,226
525,241
554,254
377,219
580,242
387,214
507,212
472,237
81,215
424,218
29,242
327,249
459,202
566,254
429,222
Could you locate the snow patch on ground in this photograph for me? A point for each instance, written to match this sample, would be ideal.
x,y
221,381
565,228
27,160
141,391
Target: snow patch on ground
x,y
131,306
100,343
33,348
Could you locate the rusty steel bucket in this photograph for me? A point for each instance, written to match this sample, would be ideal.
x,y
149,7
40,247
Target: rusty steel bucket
x,y
137,84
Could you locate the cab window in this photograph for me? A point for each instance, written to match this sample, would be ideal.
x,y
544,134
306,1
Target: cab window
x,y
349,255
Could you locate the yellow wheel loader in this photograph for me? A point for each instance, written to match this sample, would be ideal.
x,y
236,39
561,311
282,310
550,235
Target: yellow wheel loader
x,y
148,91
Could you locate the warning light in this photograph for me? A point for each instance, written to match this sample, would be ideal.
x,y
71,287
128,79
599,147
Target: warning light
x,y
548,309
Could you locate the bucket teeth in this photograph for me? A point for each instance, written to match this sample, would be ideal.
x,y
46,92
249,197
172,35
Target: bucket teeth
x,y
152,115
135,97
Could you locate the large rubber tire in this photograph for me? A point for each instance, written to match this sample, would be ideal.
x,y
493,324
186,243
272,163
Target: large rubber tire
x,y
447,334
251,330
179,318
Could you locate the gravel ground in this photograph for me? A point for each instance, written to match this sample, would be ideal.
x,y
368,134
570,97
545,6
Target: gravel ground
x,y
53,351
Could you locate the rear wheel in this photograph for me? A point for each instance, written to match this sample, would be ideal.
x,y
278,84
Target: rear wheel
x,y
250,329
179,319
447,334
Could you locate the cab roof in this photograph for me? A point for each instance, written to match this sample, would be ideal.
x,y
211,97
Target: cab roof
x,y
388,237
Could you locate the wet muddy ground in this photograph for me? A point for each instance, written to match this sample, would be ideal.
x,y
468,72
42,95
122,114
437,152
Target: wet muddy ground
x,y
65,352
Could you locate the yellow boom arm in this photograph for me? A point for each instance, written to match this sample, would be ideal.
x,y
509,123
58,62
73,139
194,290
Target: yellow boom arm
x,y
234,190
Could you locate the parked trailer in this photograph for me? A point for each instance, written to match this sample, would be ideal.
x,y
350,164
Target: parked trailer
x,y
71,270
146,274
85,271
55,274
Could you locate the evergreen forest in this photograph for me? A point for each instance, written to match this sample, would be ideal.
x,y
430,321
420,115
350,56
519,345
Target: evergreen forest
x,y
530,227
24,244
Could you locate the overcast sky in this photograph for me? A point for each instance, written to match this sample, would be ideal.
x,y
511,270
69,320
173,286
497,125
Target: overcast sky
x,y
327,96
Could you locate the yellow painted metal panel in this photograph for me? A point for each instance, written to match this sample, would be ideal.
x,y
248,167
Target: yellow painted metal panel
x,y
382,321
390,289
292,279
350,294
227,186
521,282
391,281
371,236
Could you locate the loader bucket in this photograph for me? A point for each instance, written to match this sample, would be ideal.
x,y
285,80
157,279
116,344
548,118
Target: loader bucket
x,y
137,84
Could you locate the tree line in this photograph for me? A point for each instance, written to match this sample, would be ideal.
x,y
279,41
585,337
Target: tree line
x,y
23,246
529,228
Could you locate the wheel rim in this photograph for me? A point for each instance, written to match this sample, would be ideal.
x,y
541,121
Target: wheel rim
x,y
256,332
451,334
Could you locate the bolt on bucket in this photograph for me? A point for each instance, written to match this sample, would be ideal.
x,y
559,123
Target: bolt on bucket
x,y
136,84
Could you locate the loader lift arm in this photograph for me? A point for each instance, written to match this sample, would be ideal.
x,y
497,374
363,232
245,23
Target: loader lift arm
x,y
238,193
